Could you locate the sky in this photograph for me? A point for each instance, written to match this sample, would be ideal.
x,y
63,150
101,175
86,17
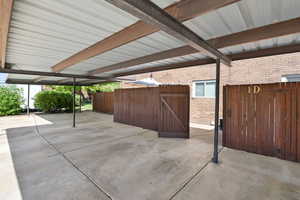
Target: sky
x,y
3,77
33,90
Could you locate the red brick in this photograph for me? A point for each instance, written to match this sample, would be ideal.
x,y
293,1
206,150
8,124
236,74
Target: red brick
x,y
251,71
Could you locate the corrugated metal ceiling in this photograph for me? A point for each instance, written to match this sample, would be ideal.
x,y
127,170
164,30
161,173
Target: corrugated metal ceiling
x,y
45,32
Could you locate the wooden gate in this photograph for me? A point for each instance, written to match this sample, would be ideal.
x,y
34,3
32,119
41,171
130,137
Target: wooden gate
x,y
164,109
263,119
174,111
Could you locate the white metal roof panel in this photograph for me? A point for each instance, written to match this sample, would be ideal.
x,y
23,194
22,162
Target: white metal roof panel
x,y
45,32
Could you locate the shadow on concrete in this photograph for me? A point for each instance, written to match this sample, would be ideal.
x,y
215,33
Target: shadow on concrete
x,y
45,158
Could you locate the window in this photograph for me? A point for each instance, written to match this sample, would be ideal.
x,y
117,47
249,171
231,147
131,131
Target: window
x,y
290,78
204,88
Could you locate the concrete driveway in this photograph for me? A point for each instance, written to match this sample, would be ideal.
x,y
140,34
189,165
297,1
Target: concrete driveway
x,y
43,157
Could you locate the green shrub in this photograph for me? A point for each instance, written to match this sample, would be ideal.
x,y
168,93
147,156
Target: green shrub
x,y
10,100
53,101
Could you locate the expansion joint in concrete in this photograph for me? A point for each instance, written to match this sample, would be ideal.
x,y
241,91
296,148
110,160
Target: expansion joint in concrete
x,y
191,178
68,160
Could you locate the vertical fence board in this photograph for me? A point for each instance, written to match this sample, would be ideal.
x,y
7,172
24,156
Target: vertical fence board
x,y
298,121
265,122
103,102
225,99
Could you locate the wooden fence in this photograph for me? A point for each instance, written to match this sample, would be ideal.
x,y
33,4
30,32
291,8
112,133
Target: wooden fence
x,y
164,109
263,119
137,107
103,102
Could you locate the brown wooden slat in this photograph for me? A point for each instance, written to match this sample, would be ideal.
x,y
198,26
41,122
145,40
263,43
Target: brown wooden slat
x,y
298,121
174,112
142,107
137,106
243,124
293,146
265,123
103,102
270,121
225,127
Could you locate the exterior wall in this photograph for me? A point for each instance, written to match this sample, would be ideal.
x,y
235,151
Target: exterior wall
x,y
251,71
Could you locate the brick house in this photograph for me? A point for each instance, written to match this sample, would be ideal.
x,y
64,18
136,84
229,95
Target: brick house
x,y
202,80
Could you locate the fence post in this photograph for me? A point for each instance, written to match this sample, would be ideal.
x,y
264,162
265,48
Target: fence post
x,y
215,158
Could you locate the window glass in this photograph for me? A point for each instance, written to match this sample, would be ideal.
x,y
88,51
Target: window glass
x,y
199,90
291,78
210,89
204,88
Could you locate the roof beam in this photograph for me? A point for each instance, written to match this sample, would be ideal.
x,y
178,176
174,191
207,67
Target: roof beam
x,y
261,33
55,74
153,14
44,82
39,79
183,10
240,56
6,7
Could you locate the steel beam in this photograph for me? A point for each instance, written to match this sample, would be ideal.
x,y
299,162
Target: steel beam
x,y
215,158
55,74
239,56
278,29
150,13
26,81
183,10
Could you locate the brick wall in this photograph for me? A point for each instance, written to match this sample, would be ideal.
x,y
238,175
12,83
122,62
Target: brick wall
x,y
251,71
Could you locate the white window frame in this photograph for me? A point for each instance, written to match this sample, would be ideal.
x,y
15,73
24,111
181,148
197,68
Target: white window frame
x,y
204,82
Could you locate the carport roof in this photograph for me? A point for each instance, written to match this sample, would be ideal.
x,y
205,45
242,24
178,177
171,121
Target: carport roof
x,y
57,36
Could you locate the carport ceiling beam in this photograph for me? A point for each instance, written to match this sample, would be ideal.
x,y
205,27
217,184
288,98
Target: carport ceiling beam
x,y
239,56
44,82
183,10
54,74
279,29
153,14
6,7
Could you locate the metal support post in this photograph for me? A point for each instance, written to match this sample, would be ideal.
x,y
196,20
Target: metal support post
x,y
74,80
80,100
215,158
28,99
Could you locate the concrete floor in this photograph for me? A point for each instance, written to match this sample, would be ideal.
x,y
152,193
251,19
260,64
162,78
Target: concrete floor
x,y
43,157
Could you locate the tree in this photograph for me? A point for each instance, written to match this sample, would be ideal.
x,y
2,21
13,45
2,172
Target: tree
x,y
10,100
102,87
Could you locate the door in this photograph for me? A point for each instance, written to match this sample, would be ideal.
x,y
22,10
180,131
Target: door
x,y
174,113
